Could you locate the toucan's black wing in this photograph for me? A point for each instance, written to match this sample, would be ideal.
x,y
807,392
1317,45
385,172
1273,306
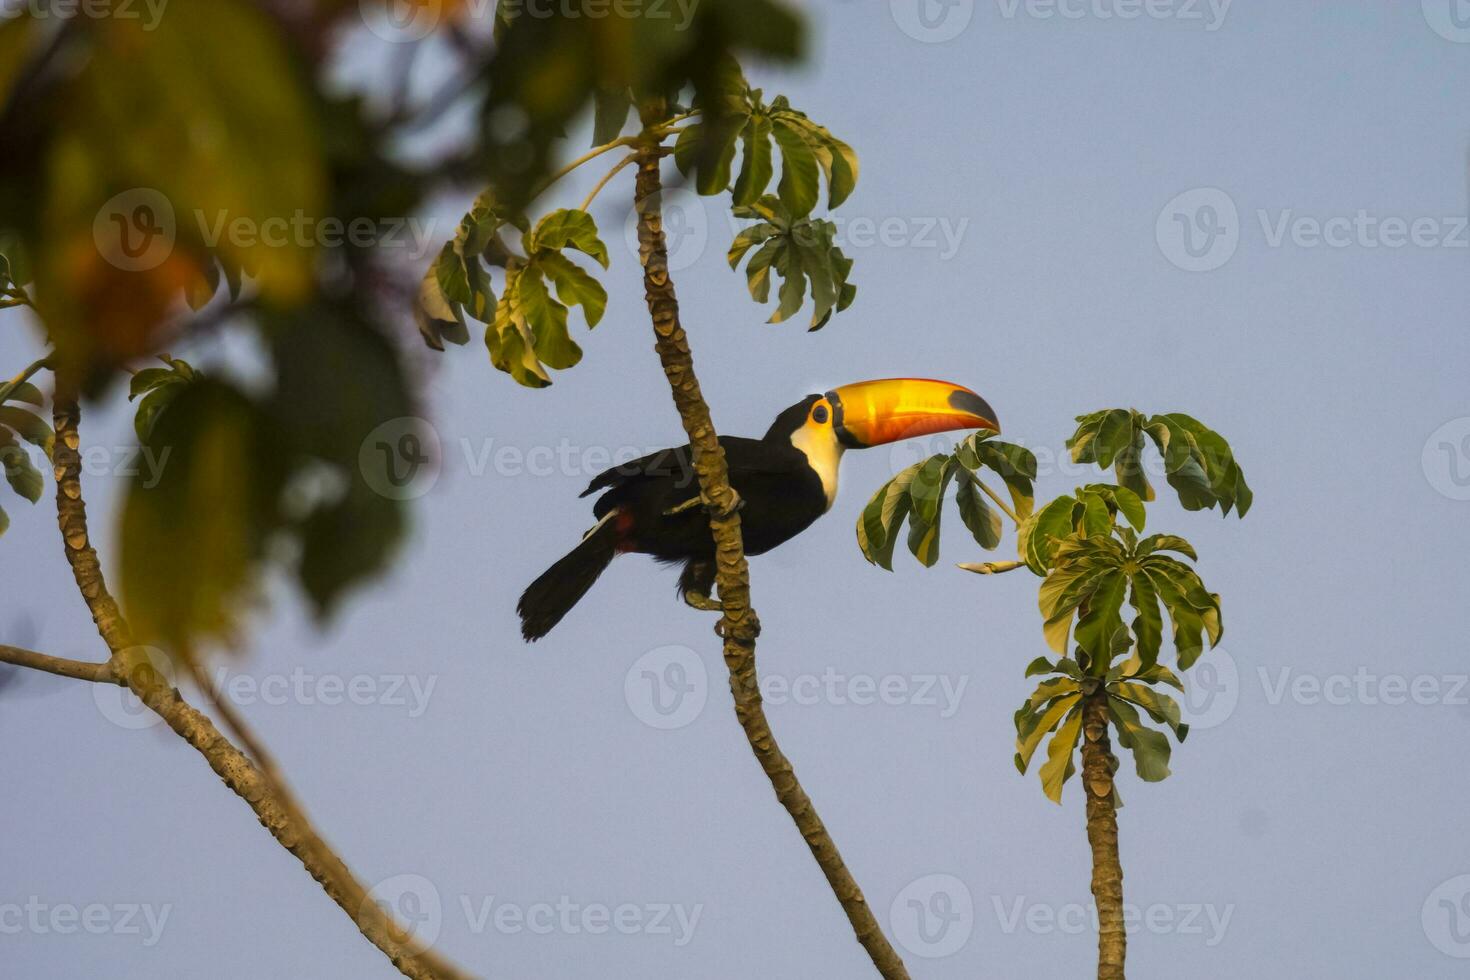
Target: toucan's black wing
x,y
677,464
658,486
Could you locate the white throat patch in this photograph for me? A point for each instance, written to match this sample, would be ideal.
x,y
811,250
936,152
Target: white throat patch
x,y
823,454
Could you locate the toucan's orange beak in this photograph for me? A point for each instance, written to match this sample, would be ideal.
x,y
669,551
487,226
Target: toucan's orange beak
x,y
871,413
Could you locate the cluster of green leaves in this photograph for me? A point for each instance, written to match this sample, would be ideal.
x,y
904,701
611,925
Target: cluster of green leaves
x,y
916,495
802,252
1091,577
18,423
1055,708
705,150
526,328
1086,546
1198,463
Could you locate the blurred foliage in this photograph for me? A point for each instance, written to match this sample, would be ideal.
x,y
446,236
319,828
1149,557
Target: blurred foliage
x,y
165,178
1085,546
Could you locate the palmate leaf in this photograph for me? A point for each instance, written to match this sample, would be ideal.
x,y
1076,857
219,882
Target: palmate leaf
x,y
1039,534
1091,575
1015,465
927,493
1059,766
1198,463
983,522
457,284
804,255
877,527
526,330
706,151
1149,746
1033,724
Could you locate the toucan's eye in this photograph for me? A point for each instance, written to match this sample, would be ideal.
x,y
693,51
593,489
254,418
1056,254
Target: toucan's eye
x,y
819,414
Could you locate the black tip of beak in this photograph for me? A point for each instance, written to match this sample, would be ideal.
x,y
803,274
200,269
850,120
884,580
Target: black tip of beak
x,y
968,401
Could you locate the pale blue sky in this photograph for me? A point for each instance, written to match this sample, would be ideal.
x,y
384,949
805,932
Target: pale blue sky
x,y
1297,837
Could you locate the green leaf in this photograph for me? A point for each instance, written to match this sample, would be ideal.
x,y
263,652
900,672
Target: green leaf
x,y
4,521
983,522
189,542
1037,728
1160,707
877,527
568,228
1130,506
1199,464
1040,665
1096,627
610,114
803,253
1148,623
20,473
927,491
1128,470
1016,465
757,168
574,287
1150,747
1039,534
1058,767
26,392
798,186
149,378
1165,542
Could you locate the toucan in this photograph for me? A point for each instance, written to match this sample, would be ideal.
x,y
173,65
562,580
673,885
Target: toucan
x,y
784,480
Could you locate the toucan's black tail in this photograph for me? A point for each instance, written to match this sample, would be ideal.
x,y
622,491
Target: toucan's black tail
x,y
552,596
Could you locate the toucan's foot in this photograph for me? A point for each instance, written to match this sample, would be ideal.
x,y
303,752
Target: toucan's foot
x,y
745,631
737,504
699,600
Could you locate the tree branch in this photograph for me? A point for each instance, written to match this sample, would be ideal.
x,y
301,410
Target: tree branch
x,y
1102,835
76,669
738,624
132,667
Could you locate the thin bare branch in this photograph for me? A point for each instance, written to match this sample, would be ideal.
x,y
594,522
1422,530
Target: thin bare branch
x,y
75,669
